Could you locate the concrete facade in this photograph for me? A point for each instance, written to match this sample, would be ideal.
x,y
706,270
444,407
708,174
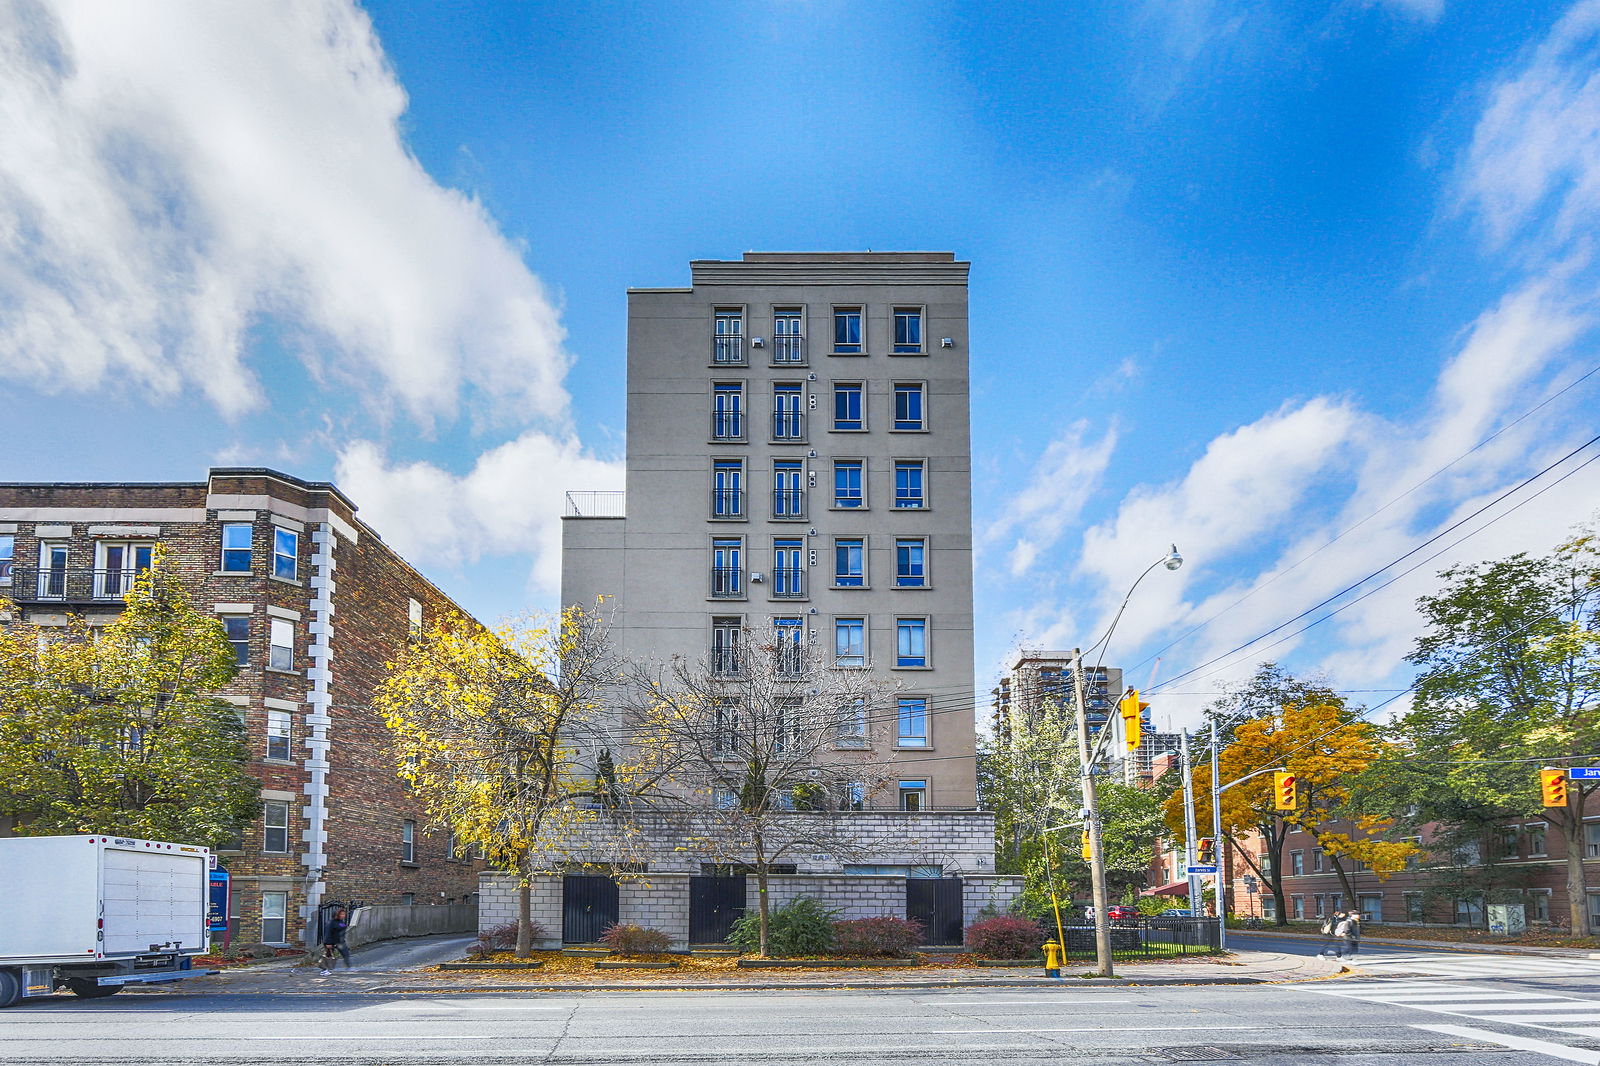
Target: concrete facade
x,y
788,415
320,604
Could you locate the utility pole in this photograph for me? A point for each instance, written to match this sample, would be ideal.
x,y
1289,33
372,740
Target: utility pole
x,y
1216,835
1188,827
1091,817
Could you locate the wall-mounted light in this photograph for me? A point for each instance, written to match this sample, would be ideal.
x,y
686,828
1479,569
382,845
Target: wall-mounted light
x,y
947,342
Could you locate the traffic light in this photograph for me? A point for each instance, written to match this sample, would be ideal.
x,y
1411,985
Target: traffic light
x,y
1285,792
1088,851
1205,851
1553,786
1132,712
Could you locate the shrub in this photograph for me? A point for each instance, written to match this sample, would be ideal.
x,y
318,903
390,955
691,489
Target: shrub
x,y
1005,937
502,938
877,937
802,927
635,940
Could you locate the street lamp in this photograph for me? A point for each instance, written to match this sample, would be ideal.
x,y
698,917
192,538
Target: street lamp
x,y
1091,800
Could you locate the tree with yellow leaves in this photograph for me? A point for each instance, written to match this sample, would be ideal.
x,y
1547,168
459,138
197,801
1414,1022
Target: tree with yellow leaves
x,y
1325,746
500,734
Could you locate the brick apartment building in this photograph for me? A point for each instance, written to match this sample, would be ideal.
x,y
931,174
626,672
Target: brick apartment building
x,y
316,604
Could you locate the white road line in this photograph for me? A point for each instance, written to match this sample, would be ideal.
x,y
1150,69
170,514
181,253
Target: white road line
x,y
1516,1043
1107,1029
467,1006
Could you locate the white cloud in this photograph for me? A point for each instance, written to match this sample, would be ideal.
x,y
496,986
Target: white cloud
x,y
1061,483
173,175
509,503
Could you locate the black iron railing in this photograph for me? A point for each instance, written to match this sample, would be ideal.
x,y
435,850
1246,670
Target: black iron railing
x,y
1138,937
788,583
789,503
727,582
72,584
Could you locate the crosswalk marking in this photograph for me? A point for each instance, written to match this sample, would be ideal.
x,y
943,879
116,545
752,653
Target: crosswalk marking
x,y
1536,1010
1476,964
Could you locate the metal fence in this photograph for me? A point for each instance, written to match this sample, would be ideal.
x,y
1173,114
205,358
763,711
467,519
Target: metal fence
x,y
1141,938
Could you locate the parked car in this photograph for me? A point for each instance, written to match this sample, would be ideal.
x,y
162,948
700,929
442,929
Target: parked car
x,y
1120,913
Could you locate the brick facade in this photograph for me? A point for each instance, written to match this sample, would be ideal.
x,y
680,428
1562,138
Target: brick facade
x,y
345,604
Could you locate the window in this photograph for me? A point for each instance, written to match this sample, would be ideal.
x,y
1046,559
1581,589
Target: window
x,y
728,343
910,563
787,729
847,331
408,841
1591,840
911,642
1538,905
236,541
850,642
908,406
285,554
788,345
726,741
789,649
1414,911
852,724
848,479
727,411
1371,907
788,414
727,576
279,735
788,576
1297,862
908,330
908,488
274,917
280,652
727,488
848,406
8,547
1299,907
117,563
408,899
788,489
850,562
913,795
275,826
1536,839
237,626
52,569
913,722
1505,842
725,639
1594,912
852,797
1318,856
1321,902
413,619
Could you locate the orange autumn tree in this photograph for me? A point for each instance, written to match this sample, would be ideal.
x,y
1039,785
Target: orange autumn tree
x,y
1324,745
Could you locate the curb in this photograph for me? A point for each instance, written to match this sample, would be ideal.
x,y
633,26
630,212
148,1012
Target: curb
x,y
1438,945
1062,983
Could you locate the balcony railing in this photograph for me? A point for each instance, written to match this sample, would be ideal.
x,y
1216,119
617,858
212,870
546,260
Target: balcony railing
x,y
727,425
727,662
788,660
727,503
727,582
788,583
727,348
788,348
607,504
788,425
73,584
789,503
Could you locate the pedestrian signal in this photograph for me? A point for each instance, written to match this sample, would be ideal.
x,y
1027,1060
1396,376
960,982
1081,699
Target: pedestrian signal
x,y
1553,787
1285,792
1088,849
1205,851
1132,712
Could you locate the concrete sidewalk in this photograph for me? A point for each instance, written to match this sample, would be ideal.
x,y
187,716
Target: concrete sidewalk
x,y
1248,967
1432,945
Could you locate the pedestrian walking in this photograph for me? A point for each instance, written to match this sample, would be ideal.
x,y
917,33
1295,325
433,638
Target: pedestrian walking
x,y
1342,934
1352,936
1329,940
333,940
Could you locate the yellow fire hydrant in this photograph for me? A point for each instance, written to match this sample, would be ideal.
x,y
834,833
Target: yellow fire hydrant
x,y
1052,959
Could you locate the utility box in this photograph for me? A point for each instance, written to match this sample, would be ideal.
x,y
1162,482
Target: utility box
x,y
92,913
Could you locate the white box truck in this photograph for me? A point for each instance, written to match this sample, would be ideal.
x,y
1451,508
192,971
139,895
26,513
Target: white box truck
x,y
94,913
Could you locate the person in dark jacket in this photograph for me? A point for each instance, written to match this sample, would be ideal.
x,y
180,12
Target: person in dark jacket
x,y
333,940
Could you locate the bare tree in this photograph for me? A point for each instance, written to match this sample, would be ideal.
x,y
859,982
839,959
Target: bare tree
x,y
769,752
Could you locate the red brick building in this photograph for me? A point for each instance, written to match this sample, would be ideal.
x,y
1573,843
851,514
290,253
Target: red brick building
x,y
316,604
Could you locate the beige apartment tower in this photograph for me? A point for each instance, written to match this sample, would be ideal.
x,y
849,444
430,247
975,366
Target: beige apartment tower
x,y
799,464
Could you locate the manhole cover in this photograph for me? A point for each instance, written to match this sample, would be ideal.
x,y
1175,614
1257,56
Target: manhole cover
x,y
1195,1053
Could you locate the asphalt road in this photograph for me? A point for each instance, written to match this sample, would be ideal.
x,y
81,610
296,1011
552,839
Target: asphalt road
x,y
1486,1020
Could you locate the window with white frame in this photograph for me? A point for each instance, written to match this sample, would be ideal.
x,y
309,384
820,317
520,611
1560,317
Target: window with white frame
x,y
913,795
726,723
1299,904
727,410
280,734
1321,902
911,641
727,488
275,827
408,841
1414,908
912,719
910,492
117,564
788,344
1538,904
237,627
788,489
274,917
788,411
1297,862
728,346
1318,857
237,547
285,553
788,569
850,642
52,569
1536,839
849,483
852,724
788,646
727,659
8,547
727,568
280,648
413,619
1591,840
1371,906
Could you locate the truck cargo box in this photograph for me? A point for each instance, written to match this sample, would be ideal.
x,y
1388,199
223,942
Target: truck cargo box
x,y
70,899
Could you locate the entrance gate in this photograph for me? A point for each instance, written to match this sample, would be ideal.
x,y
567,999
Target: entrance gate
x,y
588,908
936,903
715,903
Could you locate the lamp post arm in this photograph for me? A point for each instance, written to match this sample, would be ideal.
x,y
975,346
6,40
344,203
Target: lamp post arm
x,y
1246,777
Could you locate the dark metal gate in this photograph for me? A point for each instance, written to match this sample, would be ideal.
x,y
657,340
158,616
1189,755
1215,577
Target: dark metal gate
x,y
936,903
714,904
588,908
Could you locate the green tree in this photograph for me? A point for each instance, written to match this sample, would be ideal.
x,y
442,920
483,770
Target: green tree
x,y
1510,679
119,730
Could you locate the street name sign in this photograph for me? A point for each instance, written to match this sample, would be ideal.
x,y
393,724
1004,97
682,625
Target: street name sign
x,y
1203,869
1584,773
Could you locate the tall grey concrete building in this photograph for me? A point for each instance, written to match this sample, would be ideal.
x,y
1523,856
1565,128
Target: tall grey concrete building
x,y
799,465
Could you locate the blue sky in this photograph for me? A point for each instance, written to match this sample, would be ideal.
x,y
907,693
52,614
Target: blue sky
x,y
1243,273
